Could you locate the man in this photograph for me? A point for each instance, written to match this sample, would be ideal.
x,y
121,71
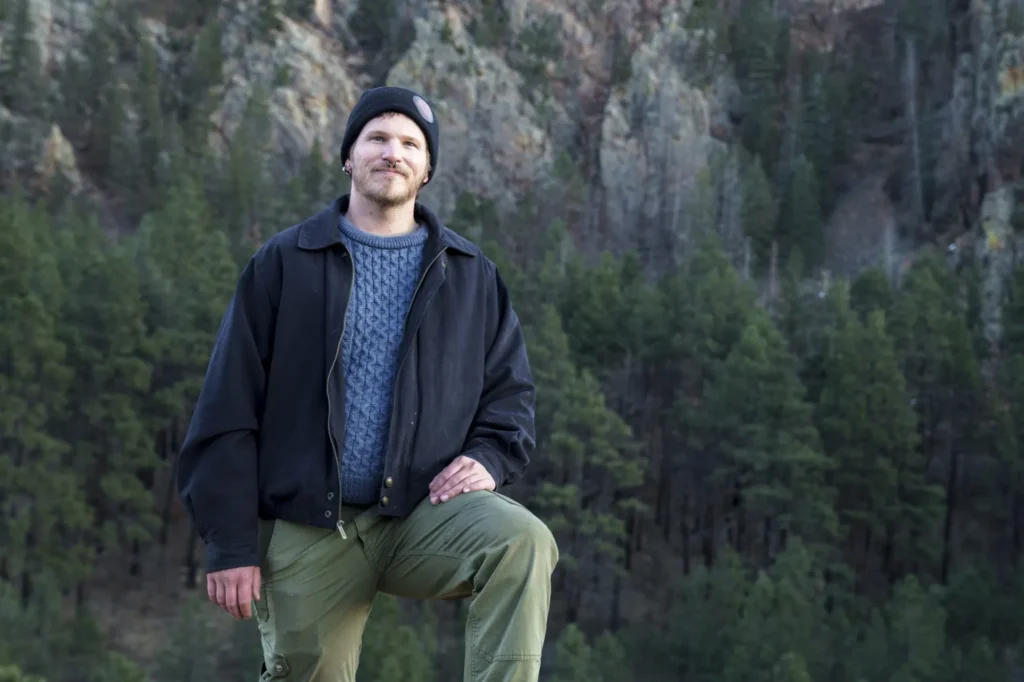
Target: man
x,y
367,394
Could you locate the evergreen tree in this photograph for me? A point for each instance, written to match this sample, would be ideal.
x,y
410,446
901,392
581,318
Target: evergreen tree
x,y
800,228
190,652
45,517
760,212
759,432
392,648
588,465
885,505
102,326
757,67
22,87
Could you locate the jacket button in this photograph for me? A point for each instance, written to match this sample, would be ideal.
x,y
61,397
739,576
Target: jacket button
x,y
330,496
327,514
388,482
384,501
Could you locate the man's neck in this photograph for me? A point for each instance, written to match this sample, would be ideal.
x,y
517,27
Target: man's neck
x,y
383,222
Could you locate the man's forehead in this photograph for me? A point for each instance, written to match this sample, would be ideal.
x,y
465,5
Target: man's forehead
x,y
394,121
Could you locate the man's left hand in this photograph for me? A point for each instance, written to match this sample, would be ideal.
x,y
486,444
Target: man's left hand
x,y
463,475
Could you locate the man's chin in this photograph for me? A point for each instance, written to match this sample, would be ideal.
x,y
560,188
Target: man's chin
x,y
388,199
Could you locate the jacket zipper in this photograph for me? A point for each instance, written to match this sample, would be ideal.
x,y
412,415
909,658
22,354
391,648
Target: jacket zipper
x,y
337,460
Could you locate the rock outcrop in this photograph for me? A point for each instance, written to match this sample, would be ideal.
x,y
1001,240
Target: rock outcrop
x,y
305,73
37,153
494,142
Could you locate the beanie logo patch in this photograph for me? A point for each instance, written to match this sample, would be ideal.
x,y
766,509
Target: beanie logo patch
x,y
423,108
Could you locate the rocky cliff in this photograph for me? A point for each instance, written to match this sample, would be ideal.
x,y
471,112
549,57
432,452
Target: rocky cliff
x,y
631,95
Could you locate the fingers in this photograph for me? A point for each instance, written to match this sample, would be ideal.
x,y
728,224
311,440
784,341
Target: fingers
x,y
231,589
221,592
457,464
245,595
234,590
257,576
472,481
463,475
454,485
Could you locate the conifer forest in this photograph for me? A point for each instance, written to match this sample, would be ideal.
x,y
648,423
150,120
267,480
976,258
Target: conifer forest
x,y
768,256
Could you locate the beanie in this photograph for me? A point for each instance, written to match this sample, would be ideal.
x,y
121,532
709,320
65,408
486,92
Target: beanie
x,y
377,101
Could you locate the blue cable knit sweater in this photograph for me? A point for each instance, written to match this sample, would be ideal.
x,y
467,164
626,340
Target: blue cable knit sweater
x,y
387,270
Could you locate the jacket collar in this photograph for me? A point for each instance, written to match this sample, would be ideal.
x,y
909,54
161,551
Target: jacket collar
x,y
321,231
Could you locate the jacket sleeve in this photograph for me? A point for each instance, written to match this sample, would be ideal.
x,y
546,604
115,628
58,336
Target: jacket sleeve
x,y
216,473
502,436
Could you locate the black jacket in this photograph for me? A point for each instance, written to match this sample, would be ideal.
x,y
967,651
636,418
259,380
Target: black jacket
x,y
265,437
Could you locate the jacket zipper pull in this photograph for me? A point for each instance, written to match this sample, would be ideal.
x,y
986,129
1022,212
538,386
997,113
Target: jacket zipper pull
x,y
341,529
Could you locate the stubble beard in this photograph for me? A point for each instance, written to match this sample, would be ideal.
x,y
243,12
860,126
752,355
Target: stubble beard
x,y
385,191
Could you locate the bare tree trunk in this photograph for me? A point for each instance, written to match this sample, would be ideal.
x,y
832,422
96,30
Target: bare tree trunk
x,y
168,453
951,502
615,621
773,273
709,536
1017,511
135,565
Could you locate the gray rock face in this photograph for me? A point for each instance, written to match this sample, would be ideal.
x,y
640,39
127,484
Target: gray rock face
x,y
494,142
656,141
37,152
306,76
59,26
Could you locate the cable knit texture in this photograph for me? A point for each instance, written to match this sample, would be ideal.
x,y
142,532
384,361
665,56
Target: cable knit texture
x,y
387,270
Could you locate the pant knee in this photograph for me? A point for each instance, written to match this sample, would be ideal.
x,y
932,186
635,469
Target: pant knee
x,y
534,539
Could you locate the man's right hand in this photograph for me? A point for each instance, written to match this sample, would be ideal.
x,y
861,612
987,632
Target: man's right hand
x,y
233,589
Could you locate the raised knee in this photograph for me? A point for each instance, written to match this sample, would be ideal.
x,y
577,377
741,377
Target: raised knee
x,y
531,536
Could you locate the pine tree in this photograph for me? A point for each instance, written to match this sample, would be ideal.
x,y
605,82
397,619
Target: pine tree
x,y
800,225
191,646
45,517
22,87
392,648
760,212
759,432
757,68
103,328
779,634
587,464
867,422
871,291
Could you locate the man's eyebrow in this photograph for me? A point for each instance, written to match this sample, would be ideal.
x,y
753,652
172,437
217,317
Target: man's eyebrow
x,y
378,131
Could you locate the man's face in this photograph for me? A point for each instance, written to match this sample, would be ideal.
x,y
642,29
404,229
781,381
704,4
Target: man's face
x,y
388,161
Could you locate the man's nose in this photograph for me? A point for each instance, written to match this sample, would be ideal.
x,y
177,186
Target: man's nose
x,y
392,150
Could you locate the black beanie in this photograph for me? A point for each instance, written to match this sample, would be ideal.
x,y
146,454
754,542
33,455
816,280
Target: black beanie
x,y
377,101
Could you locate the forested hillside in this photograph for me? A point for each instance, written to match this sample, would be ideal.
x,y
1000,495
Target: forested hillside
x,y
768,258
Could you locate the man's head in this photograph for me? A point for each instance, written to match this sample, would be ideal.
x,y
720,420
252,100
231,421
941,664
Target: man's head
x,y
390,145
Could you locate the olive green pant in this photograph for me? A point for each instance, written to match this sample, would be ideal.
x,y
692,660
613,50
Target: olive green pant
x,y
317,587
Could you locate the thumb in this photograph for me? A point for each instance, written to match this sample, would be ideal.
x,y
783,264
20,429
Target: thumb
x,y
256,576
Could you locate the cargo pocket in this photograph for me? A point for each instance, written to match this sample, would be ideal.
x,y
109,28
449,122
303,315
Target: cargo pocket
x,y
276,670
261,606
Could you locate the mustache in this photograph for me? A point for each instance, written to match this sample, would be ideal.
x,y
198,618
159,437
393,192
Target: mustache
x,y
388,166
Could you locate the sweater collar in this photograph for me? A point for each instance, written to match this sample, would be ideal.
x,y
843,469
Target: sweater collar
x,y
320,231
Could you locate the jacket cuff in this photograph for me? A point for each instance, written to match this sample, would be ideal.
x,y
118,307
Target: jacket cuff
x,y
491,463
222,557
